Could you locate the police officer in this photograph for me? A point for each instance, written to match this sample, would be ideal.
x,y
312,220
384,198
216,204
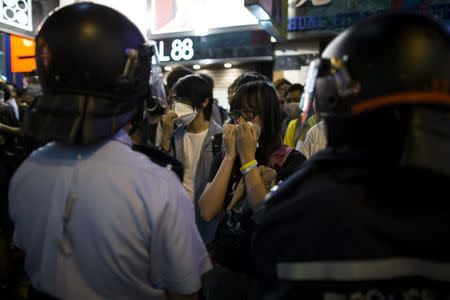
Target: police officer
x,y
369,218
95,219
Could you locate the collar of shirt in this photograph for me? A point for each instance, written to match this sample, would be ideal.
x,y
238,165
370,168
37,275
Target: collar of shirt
x,y
122,137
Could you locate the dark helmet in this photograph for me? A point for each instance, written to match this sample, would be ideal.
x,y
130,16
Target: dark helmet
x,y
381,81
96,70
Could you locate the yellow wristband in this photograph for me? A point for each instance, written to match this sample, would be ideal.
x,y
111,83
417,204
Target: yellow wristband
x,y
247,165
246,171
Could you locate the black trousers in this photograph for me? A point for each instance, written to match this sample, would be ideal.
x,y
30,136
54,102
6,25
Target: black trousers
x,y
34,294
220,283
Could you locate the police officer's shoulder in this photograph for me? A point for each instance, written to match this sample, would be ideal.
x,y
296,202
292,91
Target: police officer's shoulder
x,y
51,150
160,158
322,174
143,161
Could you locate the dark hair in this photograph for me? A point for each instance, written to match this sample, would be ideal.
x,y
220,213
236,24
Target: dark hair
x,y
262,97
243,79
248,77
208,78
279,82
294,87
5,89
18,92
176,74
195,88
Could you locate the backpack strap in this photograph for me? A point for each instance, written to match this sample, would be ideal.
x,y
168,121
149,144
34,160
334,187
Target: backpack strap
x,y
217,143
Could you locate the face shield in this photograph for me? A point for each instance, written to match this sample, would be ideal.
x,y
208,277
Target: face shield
x,y
307,97
153,98
326,81
156,103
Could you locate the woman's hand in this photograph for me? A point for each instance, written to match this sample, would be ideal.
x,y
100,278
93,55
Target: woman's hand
x,y
229,138
246,141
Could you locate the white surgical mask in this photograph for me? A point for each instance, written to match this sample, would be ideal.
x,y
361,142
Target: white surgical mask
x,y
292,109
185,113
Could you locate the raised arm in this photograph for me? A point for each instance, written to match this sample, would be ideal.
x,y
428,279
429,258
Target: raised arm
x,y
211,201
246,142
8,129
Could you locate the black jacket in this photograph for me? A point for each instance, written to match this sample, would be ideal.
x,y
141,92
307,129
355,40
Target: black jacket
x,y
348,225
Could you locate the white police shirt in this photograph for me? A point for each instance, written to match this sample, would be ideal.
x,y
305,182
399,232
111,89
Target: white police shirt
x,y
104,222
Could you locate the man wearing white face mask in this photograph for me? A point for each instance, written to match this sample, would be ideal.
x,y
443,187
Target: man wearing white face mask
x,y
196,139
291,107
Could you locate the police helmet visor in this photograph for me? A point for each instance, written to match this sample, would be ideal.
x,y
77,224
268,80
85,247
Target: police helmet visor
x,y
157,101
307,97
333,74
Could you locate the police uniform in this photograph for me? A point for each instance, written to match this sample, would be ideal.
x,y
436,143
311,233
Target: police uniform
x,y
364,218
96,219
104,222
349,226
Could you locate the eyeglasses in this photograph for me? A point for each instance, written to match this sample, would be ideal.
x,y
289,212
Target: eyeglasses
x,y
246,114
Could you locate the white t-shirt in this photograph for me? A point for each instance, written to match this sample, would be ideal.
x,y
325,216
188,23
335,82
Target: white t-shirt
x,y
193,143
315,140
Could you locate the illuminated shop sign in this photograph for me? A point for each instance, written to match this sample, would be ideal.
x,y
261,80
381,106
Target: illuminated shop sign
x,y
343,20
22,54
17,13
176,50
215,46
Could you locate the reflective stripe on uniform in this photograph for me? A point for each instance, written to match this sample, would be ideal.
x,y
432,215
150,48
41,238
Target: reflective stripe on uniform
x,y
377,269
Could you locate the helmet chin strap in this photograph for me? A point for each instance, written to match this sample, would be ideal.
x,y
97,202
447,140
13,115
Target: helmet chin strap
x,y
428,141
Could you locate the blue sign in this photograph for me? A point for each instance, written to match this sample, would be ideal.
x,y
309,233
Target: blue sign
x,y
344,20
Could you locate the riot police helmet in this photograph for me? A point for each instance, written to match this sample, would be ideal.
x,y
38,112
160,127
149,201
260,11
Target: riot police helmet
x,y
384,83
97,72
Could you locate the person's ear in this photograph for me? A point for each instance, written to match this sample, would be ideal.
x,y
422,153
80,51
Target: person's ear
x,y
205,102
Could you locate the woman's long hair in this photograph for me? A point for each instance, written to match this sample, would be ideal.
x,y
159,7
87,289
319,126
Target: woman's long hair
x,y
262,97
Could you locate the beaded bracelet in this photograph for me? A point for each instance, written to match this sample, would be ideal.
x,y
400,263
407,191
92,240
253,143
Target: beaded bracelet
x,y
248,167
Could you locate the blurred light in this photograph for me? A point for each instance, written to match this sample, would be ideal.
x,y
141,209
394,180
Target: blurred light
x,y
168,68
88,30
227,65
135,10
273,39
258,11
196,67
27,43
201,31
